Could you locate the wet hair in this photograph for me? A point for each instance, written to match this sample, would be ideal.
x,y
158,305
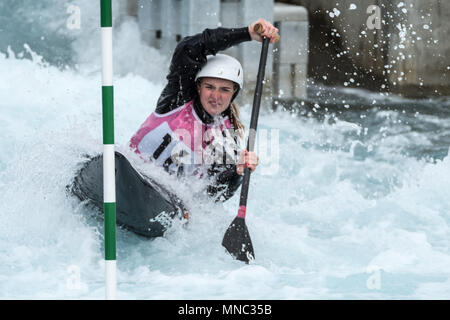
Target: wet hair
x,y
236,120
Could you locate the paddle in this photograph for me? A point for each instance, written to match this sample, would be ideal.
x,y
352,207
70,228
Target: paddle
x,y
237,238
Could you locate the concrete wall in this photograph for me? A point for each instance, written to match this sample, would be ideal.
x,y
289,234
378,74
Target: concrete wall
x,y
407,53
291,52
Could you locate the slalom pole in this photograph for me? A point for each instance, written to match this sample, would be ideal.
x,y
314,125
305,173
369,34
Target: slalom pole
x,y
109,179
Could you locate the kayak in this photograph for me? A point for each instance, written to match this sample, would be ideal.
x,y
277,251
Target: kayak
x,y
143,206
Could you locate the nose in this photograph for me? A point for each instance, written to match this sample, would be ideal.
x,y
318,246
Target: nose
x,y
215,94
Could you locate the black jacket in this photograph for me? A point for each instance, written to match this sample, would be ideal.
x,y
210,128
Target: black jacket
x,y
188,58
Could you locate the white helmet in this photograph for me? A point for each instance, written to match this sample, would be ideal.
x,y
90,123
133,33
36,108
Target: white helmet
x,y
224,67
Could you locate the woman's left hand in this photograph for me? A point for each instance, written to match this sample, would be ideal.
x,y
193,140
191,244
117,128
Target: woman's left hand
x,y
247,159
267,30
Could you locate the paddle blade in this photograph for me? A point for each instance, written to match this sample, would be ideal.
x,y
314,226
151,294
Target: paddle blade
x,y
237,241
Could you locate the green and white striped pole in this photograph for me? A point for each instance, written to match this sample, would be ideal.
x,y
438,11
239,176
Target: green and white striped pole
x,y
109,179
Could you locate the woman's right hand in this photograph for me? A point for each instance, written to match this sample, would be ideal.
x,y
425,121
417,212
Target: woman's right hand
x,y
267,30
247,159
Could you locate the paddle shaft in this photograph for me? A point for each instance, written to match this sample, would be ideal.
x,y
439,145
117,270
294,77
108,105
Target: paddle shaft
x,y
254,118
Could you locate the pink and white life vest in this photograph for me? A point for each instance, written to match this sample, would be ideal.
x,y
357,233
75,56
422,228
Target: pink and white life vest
x,y
179,139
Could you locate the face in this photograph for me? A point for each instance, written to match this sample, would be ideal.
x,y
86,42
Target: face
x,y
215,94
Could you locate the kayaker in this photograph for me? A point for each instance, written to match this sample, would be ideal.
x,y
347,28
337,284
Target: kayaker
x,y
195,128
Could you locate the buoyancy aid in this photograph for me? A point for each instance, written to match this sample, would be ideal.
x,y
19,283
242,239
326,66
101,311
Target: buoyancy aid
x,y
182,143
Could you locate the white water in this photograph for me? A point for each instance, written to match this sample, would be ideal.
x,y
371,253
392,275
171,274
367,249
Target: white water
x,y
344,217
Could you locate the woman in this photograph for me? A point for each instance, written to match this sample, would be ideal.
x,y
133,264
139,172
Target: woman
x,y
195,129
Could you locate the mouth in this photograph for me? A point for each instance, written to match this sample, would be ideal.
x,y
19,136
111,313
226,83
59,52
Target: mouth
x,y
214,104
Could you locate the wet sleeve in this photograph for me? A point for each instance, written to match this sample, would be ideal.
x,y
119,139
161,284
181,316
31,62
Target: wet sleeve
x,y
225,183
189,57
